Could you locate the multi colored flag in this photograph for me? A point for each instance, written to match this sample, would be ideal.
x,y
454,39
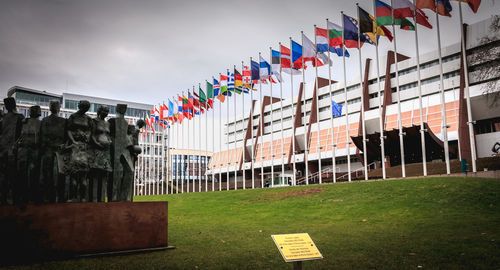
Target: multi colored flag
x,y
443,6
473,4
351,33
402,9
335,39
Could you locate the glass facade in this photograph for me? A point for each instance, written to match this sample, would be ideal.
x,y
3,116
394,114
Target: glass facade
x,y
23,97
180,167
132,112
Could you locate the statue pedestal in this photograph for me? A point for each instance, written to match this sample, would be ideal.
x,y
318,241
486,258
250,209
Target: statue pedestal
x,y
54,231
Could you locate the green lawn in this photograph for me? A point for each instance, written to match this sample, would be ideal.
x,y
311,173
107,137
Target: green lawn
x,y
400,224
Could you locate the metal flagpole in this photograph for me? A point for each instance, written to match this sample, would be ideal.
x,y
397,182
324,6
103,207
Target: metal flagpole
x,y
271,115
334,165
182,156
317,105
220,139
199,142
444,127
400,123
177,146
188,147
251,129
306,147
164,170
380,122
346,104
227,132
213,142
471,122
243,141
419,82
282,152
234,123
363,127
293,115
206,138
261,117
150,165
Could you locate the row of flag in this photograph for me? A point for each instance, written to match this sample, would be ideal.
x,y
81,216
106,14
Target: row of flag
x,y
334,39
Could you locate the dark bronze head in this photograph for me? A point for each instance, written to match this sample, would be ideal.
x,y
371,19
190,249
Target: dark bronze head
x,y
35,111
121,108
83,106
55,106
102,112
10,104
140,123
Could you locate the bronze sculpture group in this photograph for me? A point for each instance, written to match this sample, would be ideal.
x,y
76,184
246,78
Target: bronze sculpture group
x,y
79,159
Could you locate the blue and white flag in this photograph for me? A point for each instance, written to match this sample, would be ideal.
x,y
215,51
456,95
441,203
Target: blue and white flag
x,y
264,69
336,109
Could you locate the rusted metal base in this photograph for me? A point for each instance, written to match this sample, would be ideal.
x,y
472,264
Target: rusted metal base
x,y
55,231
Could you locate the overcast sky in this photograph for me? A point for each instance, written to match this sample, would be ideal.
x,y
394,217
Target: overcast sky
x,y
147,51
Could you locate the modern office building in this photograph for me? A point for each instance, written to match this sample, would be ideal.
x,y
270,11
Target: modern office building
x,y
189,170
264,148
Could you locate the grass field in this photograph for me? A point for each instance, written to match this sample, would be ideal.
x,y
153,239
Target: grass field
x,y
400,224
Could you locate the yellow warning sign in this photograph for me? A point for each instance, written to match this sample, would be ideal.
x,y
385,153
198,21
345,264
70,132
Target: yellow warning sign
x,y
296,247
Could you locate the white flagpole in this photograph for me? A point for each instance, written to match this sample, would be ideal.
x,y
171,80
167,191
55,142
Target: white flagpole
x,y
243,138
471,122
251,129
306,147
261,117
151,165
317,106
206,138
227,132
182,136
199,141
334,165
189,148
293,115
363,127
220,139
400,123
444,127
235,159
213,140
346,104
164,170
421,116
178,146
282,152
271,114
380,122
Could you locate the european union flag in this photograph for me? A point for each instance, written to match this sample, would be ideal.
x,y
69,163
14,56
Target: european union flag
x,y
336,109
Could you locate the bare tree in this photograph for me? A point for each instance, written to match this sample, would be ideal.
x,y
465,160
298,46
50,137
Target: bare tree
x,y
487,59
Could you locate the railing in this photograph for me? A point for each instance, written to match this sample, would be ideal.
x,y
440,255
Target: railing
x,y
356,171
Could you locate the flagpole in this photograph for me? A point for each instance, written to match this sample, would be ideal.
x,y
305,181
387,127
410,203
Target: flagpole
x,y
261,113
220,139
243,138
400,123
444,127
346,104
182,141
293,116
282,152
227,131
234,123
178,140
251,129
271,115
151,166
164,170
334,165
306,147
206,137
363,127
421,117
199,140
471,122
317,105
380,122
